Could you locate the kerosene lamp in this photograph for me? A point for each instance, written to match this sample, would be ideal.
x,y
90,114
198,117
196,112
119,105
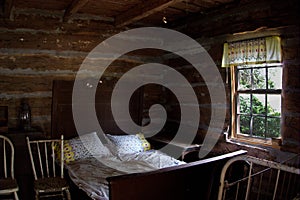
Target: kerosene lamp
x,y
25,116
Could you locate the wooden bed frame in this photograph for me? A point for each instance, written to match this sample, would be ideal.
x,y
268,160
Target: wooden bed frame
x,y
195,180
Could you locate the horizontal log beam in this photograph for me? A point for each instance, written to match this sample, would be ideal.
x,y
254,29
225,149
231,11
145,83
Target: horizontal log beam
x,y
143,10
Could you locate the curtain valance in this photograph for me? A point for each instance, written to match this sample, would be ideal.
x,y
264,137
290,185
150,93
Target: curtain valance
x,y
253,51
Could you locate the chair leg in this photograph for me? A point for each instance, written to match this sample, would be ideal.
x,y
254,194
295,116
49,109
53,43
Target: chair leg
x,y
68,194
16,196
37,196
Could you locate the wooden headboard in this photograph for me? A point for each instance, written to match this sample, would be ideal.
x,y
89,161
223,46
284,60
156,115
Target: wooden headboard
x,y
62,117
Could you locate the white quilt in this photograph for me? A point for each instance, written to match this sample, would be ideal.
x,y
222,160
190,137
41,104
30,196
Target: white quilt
x,y
90,174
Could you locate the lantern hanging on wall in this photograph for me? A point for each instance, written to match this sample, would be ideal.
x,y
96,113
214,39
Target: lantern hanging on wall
x,y
25,116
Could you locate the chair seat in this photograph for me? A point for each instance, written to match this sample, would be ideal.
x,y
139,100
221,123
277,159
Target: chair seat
x,y
51,184
8,185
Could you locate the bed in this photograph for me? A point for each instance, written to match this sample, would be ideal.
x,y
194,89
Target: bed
x,y
261,179
90,168
148,174
109,173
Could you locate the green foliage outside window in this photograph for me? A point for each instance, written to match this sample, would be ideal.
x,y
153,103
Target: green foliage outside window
x,y
261,126
265,120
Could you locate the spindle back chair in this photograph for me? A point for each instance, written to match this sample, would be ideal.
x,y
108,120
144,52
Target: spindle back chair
x,y
8,183
47,160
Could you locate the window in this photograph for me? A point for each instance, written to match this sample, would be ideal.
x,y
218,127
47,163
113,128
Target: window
x,y
257,96
256,83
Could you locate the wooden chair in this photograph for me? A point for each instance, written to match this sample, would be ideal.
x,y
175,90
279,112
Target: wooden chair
x,y
48,168
8,184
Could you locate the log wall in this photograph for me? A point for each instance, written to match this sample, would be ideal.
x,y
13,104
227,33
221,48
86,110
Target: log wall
x,y
37,47
252,19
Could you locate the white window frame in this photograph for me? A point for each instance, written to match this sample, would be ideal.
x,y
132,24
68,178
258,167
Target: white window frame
x,y
234,109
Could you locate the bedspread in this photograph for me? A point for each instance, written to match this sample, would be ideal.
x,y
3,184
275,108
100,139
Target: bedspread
x,y
90,174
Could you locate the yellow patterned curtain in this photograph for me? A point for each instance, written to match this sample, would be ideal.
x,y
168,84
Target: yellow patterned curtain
x,y
254,51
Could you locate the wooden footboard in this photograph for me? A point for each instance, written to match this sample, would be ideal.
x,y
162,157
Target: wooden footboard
x,y
195,180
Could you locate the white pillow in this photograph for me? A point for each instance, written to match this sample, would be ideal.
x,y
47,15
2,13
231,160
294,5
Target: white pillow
x,y
127,144
87,145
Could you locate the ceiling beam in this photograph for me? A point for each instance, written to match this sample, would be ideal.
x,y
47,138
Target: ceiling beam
x,y
8,5
142,10
73,8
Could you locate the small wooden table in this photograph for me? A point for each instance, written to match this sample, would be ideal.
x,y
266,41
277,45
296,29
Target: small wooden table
x,y
185,148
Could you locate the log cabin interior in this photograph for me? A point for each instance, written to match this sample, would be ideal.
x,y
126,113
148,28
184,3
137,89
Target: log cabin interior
x,y
43,45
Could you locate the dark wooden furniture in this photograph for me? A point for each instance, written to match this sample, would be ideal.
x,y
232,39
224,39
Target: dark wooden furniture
x,y
62,117
194,180
3,119
189,152
23,171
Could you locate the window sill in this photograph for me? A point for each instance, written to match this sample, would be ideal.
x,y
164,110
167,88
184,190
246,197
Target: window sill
x,y
244,140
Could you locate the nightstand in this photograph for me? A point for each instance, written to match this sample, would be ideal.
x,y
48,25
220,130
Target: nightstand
x,y
189,152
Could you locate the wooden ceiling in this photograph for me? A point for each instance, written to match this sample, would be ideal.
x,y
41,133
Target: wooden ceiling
x,y
120,13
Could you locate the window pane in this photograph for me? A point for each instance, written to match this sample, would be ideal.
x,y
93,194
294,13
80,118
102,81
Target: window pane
x,y
274,104
244,79
258,104
258,126
259,78
244,103
273,127
244,124
274,78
